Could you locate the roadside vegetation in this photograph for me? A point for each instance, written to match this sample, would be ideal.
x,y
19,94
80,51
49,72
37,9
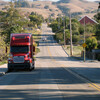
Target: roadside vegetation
x,y
77,50
92,34
12,21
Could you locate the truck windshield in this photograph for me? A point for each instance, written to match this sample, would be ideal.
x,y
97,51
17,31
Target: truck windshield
x,y
19,49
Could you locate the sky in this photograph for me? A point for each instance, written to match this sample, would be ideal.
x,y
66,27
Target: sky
x,y
57,0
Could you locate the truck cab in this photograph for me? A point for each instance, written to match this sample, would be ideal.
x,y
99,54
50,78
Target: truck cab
x,y
21,51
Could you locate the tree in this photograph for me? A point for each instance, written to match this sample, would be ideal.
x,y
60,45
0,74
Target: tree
x,y
75,38
75,26
58,27
54,26
81,29
12,21
36,19
21,3
98,31
91,43
97,17
25,4
46,7
2,48
90,28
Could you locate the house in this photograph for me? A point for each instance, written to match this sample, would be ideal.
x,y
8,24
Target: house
x,y
87,20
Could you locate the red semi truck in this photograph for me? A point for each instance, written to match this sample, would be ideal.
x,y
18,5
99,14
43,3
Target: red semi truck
x,y
21,51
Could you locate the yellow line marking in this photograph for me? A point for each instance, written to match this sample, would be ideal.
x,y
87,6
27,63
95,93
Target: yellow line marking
x,y
85,80
75,74
94,86
50,54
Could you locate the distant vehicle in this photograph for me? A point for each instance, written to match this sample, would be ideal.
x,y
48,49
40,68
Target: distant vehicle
x,y
44,39
21,52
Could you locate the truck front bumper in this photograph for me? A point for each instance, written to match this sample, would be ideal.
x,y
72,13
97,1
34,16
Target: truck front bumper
x,y
18,65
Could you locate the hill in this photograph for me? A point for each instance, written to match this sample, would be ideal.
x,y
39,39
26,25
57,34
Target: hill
x,y
78,6
3,4
48,8
45,8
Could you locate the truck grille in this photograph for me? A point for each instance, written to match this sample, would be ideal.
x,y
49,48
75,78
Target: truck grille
x,y
18,59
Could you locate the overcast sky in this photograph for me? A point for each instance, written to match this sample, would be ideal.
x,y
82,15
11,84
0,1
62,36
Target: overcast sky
x,y
55,0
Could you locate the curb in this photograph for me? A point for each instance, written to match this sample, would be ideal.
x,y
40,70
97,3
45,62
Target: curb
x,y
79,58
65,51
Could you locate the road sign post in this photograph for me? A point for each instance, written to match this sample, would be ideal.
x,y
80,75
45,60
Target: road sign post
x,y
84,46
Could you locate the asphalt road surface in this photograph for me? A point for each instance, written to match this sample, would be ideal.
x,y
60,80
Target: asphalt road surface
x,y
56,77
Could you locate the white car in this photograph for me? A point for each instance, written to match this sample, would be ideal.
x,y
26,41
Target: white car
x,y
44,39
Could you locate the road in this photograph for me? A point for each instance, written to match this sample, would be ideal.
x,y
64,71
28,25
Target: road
x,y
56,77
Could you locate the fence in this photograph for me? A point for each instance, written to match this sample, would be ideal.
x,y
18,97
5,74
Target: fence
x,y
94,54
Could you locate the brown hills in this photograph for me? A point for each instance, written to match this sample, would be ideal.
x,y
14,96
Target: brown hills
x,y
47,8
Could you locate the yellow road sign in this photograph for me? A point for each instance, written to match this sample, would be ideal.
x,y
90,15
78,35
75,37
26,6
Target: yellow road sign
x,y
84,45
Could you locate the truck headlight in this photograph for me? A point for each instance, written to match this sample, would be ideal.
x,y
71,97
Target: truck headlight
x,y
27,55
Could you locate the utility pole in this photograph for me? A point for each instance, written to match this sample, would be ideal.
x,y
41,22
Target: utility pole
x,y
64,30
59,22
84,40
71,48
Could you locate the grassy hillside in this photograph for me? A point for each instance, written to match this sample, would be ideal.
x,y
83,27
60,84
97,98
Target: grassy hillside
x,y
47,8
81,6
3,4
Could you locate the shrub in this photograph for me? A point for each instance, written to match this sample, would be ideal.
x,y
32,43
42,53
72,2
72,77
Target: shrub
x,y
59,36
75,38
46,7
91,43
2,48
81,29
54,26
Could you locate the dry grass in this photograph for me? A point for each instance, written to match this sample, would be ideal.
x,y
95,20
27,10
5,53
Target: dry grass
x,y
81,6
74,5
39,8
76,50
85,4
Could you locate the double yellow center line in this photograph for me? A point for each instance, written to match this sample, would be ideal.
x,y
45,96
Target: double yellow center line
x,y
90,83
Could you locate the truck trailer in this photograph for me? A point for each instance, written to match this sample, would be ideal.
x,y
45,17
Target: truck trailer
x,y
21,52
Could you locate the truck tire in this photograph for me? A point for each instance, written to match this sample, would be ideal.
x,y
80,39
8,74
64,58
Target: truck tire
x,y
30,67
33,67
9,68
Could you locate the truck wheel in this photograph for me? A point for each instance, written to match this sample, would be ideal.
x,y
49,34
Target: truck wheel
x,y
9,68
33,67
30,67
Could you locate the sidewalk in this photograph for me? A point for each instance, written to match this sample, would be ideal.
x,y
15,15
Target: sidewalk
x,y
82,59
3,69
79,58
